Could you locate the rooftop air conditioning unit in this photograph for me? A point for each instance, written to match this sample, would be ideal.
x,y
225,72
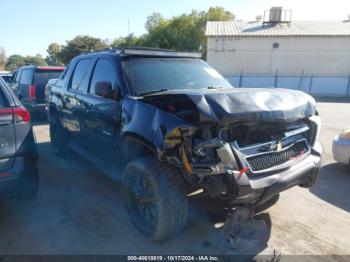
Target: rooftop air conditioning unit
x,y
275,15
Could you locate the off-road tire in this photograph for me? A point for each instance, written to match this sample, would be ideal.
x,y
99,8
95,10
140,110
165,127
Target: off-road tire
x,y
58,136
29,185
169,198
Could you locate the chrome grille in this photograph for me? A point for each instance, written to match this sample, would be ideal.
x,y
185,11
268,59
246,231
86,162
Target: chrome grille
x,y
271,159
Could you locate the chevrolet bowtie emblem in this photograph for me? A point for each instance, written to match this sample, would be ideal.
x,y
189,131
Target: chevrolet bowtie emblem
x,y
279,146
276,146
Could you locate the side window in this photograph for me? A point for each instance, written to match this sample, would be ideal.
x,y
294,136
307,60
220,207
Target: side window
x,y
64,73
81,75
13,78
26,77
104,71
18,74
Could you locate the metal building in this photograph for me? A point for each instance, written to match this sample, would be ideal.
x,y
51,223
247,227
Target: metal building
x,y
307,55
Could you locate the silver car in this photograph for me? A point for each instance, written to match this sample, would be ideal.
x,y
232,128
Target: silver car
x,y
341,147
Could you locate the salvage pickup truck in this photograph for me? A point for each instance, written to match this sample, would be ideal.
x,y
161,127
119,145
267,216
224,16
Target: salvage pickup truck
x,y
178,129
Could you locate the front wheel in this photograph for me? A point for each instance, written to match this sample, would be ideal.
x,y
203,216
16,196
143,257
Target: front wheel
x,y
58,136
155,198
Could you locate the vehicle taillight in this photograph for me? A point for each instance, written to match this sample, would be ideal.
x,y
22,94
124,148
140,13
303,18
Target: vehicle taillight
x,y
32,92
18,114
21,114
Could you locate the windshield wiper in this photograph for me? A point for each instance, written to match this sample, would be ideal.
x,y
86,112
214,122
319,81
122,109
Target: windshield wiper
x,y
153,92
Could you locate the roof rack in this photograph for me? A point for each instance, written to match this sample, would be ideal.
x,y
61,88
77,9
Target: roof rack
x,y
142,48
98,51
146,51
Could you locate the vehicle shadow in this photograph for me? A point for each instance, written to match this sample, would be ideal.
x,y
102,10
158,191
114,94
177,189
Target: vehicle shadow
x,y
79,209
333,185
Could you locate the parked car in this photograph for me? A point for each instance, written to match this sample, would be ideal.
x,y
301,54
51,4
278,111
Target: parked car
x,y
29,84
18,154
180,129
6,77
341,147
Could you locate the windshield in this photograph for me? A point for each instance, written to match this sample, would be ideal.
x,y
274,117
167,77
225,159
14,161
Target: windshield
x,y
147,75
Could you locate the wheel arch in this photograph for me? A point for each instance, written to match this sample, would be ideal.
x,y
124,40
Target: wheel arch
x,y
143,146
52,109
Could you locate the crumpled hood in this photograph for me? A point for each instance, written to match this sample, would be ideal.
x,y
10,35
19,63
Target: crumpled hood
x,y
249,104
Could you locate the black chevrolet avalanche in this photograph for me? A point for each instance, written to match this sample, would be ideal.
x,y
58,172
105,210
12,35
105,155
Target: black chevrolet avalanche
x,y
179,130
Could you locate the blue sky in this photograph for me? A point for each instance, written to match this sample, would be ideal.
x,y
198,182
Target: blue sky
x,y
27,27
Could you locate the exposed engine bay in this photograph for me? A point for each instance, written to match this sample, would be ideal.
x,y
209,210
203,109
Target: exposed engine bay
x,y
234,143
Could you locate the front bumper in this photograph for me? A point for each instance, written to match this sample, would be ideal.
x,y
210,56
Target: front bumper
x,y
341,150
248,189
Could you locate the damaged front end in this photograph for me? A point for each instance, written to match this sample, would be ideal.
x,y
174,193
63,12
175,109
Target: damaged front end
x,y
241,145
245,160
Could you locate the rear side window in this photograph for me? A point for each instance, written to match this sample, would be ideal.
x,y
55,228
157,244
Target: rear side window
x,y
15,76
65,71
26,77
43,76
3,100
6,78
18,74
80,79
104,71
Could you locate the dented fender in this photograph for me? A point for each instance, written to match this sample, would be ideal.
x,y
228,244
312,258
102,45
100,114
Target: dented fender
x,y
157,127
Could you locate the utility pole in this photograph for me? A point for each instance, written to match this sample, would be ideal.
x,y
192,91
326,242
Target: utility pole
x,y
128,27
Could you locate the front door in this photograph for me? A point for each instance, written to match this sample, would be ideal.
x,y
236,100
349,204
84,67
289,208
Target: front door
x,y
101,121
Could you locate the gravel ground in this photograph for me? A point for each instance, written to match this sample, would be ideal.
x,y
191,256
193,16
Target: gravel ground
x,y
79,211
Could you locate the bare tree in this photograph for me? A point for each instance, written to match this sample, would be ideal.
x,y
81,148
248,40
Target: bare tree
x,y
2,58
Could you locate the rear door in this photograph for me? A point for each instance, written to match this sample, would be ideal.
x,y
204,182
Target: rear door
x,y
7,128
72,99
25,80
41,77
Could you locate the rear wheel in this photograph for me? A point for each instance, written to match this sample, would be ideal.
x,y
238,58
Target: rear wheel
x,y
58,136
154,195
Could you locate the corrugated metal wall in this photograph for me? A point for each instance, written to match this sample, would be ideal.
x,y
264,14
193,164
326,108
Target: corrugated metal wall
x,y
317,65
316,86
317,56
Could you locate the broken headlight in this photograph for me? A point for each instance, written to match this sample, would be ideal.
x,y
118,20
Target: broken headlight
x,y
207,147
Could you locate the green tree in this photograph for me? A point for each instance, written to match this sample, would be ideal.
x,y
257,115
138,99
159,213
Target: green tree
x,y
154,21
2,58
184,32
37,60
16,61
218,14
129,40
54,57
79,45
